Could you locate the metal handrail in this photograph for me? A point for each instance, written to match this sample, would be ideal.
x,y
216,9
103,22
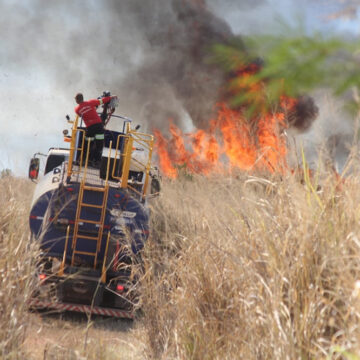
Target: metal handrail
x,y
81,149
72,146
86,161
108,164
130,138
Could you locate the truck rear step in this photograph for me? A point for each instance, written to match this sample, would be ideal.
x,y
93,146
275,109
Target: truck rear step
x,y
88,309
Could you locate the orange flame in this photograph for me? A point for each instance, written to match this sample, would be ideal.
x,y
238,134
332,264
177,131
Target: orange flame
x,y
231,141
237,139
165,161
232,138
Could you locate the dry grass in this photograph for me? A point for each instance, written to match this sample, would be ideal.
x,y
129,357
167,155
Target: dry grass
x,y
16,264
24,335
253,268
236,268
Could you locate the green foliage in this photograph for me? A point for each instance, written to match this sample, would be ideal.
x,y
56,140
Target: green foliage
x,y
292,65
338,350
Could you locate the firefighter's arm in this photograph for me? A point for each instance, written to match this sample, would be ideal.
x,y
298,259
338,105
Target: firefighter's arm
x,y
101,101
107,99
95,102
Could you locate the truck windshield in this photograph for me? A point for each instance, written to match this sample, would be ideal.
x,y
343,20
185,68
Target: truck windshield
x,y
53,161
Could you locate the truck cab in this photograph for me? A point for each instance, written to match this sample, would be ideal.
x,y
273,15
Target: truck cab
x,y
55,157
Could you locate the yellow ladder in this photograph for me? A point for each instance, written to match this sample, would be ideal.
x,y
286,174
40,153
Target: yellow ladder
x,y
81,205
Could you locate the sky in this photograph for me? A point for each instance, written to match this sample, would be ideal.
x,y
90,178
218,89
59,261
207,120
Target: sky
x,y
51,50
314,14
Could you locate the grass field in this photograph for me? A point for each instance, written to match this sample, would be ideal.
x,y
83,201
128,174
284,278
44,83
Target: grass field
x,y
253,268
16,264
240,267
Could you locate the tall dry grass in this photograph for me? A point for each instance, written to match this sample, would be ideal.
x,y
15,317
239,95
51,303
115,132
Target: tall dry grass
x,y
254,268
16,265
238,267
24,335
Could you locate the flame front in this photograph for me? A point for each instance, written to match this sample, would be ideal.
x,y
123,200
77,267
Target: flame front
x,y
232,140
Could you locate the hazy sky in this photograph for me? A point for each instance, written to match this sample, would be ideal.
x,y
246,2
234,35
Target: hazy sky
x,y
264,17
44,61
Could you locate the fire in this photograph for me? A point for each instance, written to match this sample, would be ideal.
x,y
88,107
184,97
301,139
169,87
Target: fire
x,y
232,140
238,142
164,158
272,143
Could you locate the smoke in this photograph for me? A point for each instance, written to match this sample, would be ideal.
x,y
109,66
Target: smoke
x,y
331,137
176,76
153,54
304,113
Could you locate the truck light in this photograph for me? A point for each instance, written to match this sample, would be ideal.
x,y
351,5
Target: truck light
x,y
63,221
70,189
42,277
119,288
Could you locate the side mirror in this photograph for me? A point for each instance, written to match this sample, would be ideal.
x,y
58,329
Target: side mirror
x,y
34,168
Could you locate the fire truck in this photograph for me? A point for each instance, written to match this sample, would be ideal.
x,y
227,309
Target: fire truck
x,y
90,222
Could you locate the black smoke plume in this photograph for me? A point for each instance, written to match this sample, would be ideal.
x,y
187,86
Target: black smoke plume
x,y
176,76
303,114
154,54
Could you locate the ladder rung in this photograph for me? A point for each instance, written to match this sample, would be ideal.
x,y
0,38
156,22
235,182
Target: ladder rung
x,y
92,206
87,237
90,221
94,188
84,252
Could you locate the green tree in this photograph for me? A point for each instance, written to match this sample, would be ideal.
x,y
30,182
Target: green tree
x,y
293,65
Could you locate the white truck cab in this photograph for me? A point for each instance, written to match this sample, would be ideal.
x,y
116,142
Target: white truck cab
x,y
55,157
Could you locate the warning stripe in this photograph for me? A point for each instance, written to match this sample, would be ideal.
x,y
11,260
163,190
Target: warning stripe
x,y
34,217
97,310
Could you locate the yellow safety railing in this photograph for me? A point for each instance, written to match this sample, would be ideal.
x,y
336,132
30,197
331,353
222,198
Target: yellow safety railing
x,y
131,140
72,146
74,149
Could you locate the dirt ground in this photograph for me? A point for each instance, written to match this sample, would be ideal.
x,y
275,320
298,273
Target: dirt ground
x,y
72,336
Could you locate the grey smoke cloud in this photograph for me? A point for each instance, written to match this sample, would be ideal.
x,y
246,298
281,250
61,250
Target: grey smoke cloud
x,y
137,49
147,52
150,52
331,137
179,35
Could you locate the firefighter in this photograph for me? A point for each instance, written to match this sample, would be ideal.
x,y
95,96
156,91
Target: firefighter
x,y
94,125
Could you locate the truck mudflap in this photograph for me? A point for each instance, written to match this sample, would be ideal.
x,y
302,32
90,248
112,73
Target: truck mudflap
x,y
37,304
